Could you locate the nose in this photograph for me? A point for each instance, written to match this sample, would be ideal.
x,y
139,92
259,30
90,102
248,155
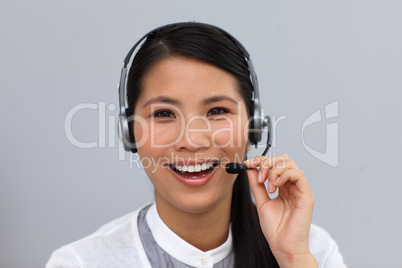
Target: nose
x,y
197,134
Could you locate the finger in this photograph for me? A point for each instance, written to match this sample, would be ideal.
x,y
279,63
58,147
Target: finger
x,y
258,189
266,171
266,160
264,167
296,177
271,187
253,162
273,174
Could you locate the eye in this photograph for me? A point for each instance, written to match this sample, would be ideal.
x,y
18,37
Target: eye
x,y
163,114
217,111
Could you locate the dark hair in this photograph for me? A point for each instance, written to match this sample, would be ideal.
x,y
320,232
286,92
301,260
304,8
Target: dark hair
x,y
211,45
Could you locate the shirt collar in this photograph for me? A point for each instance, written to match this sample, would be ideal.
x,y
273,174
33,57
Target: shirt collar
x,y
180,249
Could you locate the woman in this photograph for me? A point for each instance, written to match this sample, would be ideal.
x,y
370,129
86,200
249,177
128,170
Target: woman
x,y
189,96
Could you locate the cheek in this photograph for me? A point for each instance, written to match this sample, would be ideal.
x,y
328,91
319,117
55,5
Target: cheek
x,y
141,132
226,133
166,135
156,136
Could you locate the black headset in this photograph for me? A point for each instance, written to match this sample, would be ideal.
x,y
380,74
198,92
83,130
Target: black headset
x,y
257,124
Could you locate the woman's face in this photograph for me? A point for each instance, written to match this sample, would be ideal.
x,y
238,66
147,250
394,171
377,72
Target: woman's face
x,y
190,120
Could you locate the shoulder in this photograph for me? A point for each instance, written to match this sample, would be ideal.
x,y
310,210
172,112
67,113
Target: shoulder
x,y
324,248
115,244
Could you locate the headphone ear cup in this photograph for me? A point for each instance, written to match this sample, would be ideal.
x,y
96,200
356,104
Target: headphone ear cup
x,y
268,125
129,132
251,133
126,133
251,136
256,125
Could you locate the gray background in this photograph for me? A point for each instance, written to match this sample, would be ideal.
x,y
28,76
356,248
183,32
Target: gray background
x,y
307,54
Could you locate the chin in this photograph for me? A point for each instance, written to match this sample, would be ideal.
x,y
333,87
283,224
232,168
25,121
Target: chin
x,y
197,201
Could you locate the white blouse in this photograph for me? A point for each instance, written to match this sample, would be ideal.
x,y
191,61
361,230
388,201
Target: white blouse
x,y
118,244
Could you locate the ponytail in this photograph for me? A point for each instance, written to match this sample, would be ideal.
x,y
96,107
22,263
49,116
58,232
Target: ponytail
x,y
250,247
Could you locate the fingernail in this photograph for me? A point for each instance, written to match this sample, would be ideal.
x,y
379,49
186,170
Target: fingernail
x,y
270,187
259,179
276,181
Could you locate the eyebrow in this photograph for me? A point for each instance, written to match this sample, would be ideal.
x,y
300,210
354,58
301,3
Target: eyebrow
x,y
169,100
164,99
217,98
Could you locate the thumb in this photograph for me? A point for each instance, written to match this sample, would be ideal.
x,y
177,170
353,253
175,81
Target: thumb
x,y
259,191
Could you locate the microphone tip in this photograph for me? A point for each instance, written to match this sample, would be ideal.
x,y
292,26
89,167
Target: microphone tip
x,y
234,168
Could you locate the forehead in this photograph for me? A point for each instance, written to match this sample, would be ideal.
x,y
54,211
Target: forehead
x,y
188,79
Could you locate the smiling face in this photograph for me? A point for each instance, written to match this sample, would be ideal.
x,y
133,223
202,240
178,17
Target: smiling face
x,y
193,121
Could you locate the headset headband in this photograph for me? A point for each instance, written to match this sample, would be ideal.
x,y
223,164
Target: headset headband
x,y
258,123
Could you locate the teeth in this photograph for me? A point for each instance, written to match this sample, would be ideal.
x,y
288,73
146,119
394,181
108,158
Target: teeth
x,y
204,166
194,168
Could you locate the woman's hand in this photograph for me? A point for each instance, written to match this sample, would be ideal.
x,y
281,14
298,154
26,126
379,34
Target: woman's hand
x,y
286,219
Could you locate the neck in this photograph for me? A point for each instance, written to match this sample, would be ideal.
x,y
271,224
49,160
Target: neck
x,y
204,230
